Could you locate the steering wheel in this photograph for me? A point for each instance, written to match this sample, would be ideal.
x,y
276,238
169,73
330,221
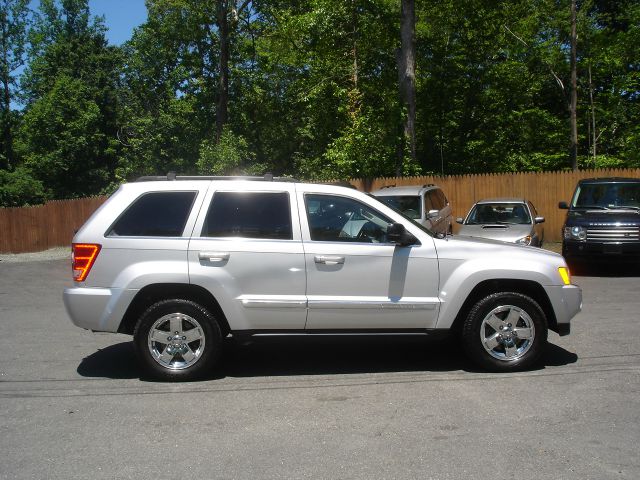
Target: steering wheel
x,y
369,233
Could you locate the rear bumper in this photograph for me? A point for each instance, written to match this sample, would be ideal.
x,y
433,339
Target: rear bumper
x,y
97,309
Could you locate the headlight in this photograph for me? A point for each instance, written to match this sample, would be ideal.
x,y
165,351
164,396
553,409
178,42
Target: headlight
x,y
575,233
524,240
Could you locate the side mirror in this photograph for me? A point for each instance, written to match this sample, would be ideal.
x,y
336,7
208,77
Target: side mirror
x,y
539,220
432,213
459,220
397,233
563,205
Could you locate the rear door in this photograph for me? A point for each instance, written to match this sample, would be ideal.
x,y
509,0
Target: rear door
x,y
247,251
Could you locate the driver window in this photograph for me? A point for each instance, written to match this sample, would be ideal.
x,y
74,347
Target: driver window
x,y
340,219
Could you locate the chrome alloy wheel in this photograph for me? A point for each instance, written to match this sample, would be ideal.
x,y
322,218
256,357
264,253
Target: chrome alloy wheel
x,y
507,332
176,341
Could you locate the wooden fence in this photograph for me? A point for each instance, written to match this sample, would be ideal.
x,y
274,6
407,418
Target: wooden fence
x,y
31,229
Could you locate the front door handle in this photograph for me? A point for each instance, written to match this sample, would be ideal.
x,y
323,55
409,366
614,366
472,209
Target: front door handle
x,y
214,256
329,259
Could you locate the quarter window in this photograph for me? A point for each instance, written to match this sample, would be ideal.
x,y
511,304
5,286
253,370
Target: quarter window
x,y
155,214
340,219
249,215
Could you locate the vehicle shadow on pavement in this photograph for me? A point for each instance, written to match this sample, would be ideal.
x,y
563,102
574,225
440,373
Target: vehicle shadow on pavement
x,y
316,355
115,361
555,356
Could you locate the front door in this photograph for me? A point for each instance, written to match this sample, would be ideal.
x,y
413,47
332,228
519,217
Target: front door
x,y
356,279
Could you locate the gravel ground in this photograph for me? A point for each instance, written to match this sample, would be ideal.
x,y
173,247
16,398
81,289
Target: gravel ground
x,y
57,253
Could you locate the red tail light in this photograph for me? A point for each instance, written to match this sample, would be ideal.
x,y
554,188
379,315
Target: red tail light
x,y
83,257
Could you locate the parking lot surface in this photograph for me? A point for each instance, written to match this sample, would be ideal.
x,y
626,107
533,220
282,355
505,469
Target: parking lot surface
x,y
73,405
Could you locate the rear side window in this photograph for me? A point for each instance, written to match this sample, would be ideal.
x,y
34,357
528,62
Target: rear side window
x,y
155,214
249,215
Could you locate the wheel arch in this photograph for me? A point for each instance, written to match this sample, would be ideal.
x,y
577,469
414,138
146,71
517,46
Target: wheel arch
x,y
526,287
153,293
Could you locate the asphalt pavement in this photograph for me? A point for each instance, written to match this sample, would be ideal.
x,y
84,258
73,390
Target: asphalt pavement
x,y
73,405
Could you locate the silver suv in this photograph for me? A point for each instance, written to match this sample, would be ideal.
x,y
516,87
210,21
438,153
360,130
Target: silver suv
x,y
426,204
180,263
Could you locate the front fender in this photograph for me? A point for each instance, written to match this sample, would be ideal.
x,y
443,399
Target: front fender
x,y
459,278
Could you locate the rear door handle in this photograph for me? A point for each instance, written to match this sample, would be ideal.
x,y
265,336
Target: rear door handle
x,y
329,259
214,256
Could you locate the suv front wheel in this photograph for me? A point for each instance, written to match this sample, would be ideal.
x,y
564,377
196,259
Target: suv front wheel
x,y
505,332
177,339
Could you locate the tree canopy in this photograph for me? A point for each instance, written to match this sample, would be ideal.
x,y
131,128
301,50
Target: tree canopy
x,y
314,89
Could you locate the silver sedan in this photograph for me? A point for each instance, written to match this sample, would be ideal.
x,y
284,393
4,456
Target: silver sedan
x,y
508,219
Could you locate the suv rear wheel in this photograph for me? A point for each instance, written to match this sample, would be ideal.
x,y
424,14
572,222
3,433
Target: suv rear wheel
x,y
505,332
177,339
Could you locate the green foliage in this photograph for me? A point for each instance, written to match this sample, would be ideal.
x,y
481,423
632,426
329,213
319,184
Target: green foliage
x,y
19,188
362,150
68,133
313,90
229,156
62,142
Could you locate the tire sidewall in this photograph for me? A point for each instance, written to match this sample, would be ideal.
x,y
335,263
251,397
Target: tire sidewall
x,y
471,331
211,330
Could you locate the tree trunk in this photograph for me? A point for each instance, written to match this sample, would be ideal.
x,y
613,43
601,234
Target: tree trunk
x,y
5,112
593,118
354,19
573,153
223,85
7,135
407,78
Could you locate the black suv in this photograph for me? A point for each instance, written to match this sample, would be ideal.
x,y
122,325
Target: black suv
x,y
603,221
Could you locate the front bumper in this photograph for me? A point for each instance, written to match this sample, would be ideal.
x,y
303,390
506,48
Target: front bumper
x,y
604,250
566,301
97,309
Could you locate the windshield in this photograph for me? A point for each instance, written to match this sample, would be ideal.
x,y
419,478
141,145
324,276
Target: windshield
x,y
501,213
607,195
408,205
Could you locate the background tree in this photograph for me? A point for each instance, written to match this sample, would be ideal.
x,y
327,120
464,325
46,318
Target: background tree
x,y
14,29
310,88
68,133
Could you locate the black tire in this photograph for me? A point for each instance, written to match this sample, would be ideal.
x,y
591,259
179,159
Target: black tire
x,y
519,316
188,360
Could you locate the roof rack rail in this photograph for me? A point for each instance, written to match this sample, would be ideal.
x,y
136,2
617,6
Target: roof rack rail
x,y
171,176
340,183
388,186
